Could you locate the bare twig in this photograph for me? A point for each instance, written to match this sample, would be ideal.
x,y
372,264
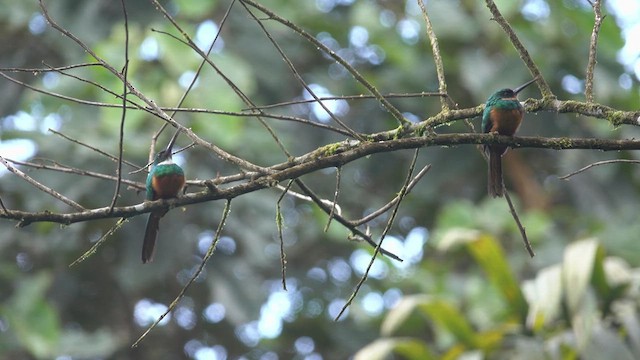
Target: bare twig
x,y
349,97
335,199
295,73
297,195
597,163
387,105
343,221
128,103
103,153
135,106
153,107
442,83
40,186
125,72
523,233
593,49
204,261
189,42
280,226
2,205
71,170
522,51
95,246
395,200
401,195
70,98
193,80
48,68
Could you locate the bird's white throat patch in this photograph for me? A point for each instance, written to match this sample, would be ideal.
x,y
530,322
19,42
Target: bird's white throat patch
x,y
167,162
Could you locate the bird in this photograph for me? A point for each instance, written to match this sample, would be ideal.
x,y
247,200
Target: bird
x,y
164,181
502,115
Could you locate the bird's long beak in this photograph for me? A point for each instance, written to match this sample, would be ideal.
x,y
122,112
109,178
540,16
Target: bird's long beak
x,y
172,142
519,88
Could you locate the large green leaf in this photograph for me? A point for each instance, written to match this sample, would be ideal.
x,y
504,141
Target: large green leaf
x,y
443,314
492,259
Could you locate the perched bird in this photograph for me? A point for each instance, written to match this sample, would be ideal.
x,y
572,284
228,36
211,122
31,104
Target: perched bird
x,y
502,115
163,182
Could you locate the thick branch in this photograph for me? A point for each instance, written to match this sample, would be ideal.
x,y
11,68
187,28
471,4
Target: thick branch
x,y
334,155
595,110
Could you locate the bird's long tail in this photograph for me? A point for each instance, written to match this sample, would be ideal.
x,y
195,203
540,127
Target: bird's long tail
x,y
150,235
495,174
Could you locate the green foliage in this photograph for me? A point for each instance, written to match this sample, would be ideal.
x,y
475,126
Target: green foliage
x,y
471,291
583,307
34,320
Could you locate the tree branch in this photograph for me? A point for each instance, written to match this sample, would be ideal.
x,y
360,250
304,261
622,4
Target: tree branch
x,y
340,154
522,51
593,50
442,83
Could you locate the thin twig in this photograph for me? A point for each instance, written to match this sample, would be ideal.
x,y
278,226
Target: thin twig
x,y
335,199
280,226
597,163
204,261
135,106
593,50
2,206
40,186
192,83
523,233
103,153
297,195
248,102
125,72
522,51
395,200
401,195
95,246
349,97
442,83
318,44
343,221
48,68
128,102
296,74
71,170
153,107
70,98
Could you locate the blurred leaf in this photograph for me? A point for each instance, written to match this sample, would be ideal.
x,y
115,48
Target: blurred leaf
x,y
385,348
34,321
449,318
577,268
493,261
80,344
456,237
544,295
400,313
617,271
627,315
440,311
192,8
457,214
606,344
